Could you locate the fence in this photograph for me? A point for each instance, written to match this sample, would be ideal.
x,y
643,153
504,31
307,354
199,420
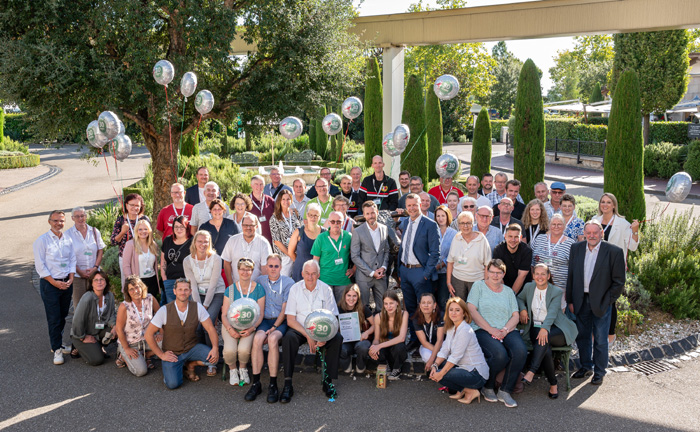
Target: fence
x,y
565,146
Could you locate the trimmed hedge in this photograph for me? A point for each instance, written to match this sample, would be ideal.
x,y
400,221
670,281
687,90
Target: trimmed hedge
x,y
373,112
692,163
664,159
559,127
16,127
673,132
586,207
19,160
598,120
586,132
496,126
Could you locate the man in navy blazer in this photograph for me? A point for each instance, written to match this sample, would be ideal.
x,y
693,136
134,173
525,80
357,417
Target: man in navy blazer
x,y
418,255
596,279
195,193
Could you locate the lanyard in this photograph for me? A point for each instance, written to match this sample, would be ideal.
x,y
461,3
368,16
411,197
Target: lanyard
x,y
340,242
131,228
532,236
201,270
141,316
607,227
269,283
58,243
444,195
240,290
325,209
100,310
549,244
428,334
175,210
288,221
381,185
262,203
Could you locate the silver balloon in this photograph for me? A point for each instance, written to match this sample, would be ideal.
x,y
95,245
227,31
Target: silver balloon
x,y
122,128
291,127
446,87
94,136
108,122
388,145
163,72
204,101
188,84
122,147
321,325
243,313
678,187
332,124
402,134
447,165
352,107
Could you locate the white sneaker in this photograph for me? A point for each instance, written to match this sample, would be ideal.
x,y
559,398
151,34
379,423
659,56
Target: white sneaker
x,y
58,357
359,371
233,380
66,349
348,369
244,375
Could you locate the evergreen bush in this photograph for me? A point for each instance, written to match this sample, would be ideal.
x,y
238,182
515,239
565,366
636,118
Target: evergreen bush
x,y
2,123
312,135
433,129
673,132
321,137
415,157
664,159
496,126
481,148
692,163
373,112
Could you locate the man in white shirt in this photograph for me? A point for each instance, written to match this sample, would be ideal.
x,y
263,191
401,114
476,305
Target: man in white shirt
x,y
200,212
54,261
300,199
556,192
370,254
248,244
305,297
195,193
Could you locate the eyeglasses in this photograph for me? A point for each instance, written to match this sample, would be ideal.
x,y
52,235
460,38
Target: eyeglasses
x,y
248,225
335,222
469,206
273,265
179,227
496,273
57,220
465,224
137,205
80,216
556,192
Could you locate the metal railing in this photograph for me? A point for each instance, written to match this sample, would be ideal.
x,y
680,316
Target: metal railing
x,y
567,146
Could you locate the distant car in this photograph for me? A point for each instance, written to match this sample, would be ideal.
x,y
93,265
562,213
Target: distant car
x,y
12,109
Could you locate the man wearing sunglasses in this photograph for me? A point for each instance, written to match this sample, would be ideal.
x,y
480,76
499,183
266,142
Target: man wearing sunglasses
x,y
332,252
556,192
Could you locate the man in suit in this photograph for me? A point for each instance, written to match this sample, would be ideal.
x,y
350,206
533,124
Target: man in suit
x,y
370,254
195,194
596,279
418,255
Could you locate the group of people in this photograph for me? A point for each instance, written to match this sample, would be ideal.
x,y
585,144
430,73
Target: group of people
x,y
480,276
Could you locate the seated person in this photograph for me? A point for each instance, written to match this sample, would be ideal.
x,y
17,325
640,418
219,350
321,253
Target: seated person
x,y
94,320
390,329
351,301
430,329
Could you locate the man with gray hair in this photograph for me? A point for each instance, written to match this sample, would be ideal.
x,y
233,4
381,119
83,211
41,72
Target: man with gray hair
x,y
415,184
299,199
542,192
167,214
200,212
248,244
275,186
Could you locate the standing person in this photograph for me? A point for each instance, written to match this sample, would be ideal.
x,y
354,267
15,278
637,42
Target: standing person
x,y
535,221
351,301
590,295
94,320
300,199
241,205
484,217
303,239
349,194
271,329
505,216
517,256
275,186
469,254
332,252
306,296
370,254
429,329
390,329
573,227
248,244
54,261
416,187
175,249
557,191
200,212
404,180
323,200
542,192
499,190
263,206
333,190
452,203
473,192
447,234
441,191
425,207
379,188
284,221
125,226
141,256
356,174
341,205
177,322
554,249
486,184
195,193
220,228
164,224
512,192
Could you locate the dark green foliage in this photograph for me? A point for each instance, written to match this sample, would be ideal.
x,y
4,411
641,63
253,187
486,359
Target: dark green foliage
x,y
17,127
481,148
586,132
321,137
312,135
624,153
190,146
664,159
598,120
415,157
559,127
673,132
2,123
692,163
19,160
586,207
433,128
596,95
341,136
496,126
528,162
373,111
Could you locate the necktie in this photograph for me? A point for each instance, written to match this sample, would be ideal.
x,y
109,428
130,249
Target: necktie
x,y
408,243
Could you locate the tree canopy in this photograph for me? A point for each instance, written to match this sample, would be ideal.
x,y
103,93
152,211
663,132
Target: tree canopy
x,y
505,72
578,70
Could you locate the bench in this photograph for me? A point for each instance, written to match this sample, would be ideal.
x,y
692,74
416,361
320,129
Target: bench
x,y
564,354
244,158
304,157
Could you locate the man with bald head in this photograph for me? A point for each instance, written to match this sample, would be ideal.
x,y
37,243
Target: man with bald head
x,y
379,188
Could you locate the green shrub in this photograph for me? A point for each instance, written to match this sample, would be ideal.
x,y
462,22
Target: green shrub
x,y
2,124
321,137
664,159
638,297
415,158
628,318
682,300
225,173
17,127
598,120
449,139
558,127
496,126
433,130
312,135
10,145
462,139
673,132
110,260
481,149
19,160
103,219
692,163
586,132
586,207
373,112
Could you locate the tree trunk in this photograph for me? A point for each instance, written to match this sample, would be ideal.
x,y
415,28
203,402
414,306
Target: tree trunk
x,y
248,140
646,122
163,169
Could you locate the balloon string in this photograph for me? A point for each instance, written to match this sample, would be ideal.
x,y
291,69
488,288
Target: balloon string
x,y
660,214
170,132
179,145
340,154
416,142
119,197
196,136
326,377
116,168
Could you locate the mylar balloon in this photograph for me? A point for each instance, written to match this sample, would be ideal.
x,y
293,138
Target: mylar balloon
x,y
243,313
204,101
122,147
108,122
291,127
163,72
321,325
188,84
332,124
446,87
122,129
678,187
352,107
401,136
94,136
447,165
388,145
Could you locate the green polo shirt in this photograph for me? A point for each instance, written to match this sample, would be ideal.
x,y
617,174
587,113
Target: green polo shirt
x,y
329,250
326,209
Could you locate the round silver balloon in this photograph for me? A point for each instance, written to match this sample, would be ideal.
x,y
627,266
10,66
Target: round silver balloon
x,y
204,101
122,147
678,187
163,72
447,165
402,134
94,136
321,325
122,128
446,87
108,122
332,124
188,84
388,145
291,127
243,313
352,107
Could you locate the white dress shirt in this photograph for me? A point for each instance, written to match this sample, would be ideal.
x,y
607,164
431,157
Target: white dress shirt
x,y
85,248
237,247
54,256
412,260
302,302
588,265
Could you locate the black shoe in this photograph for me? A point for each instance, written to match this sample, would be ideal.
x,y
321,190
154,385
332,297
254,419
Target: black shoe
x,y
287,393
273,394
597,380
330,390
254,391
553,395
581,373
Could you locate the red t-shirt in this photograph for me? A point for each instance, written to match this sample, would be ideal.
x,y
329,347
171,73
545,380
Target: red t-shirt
x,y
264,212
441,195
167,215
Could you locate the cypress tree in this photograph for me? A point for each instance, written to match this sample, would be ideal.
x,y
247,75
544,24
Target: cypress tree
x,y
481,148
415,157
312,135
321,137
433,129
528,141
596,94
2,124
340,137
373,112
624,152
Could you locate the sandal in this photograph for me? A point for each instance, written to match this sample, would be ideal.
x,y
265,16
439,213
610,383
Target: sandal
x,y
120,362
74,353
191,376
149,364
211,371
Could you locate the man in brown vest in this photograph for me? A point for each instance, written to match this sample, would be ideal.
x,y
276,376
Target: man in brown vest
x,y
178,322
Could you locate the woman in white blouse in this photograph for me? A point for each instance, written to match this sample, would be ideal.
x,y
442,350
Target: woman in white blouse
x,y
460,364
469,254
140,257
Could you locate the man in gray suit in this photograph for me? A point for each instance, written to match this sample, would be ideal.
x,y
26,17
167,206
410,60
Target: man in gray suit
x,y
370,254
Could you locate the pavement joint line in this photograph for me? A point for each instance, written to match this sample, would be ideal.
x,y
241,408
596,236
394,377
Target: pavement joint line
x,y
53,171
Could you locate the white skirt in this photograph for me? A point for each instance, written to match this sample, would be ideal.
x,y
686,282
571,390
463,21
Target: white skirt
x,y
287,264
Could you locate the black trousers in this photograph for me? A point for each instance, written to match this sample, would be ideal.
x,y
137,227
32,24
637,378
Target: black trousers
x,y
542,354
291,342
394,356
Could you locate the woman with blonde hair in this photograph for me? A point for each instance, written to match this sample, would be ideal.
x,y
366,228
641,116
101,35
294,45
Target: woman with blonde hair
x,y
469,254
141,256
535,221
391,327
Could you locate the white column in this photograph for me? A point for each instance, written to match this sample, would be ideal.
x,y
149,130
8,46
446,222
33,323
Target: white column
x,y
392,86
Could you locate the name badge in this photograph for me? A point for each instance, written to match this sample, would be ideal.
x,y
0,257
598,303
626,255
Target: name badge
x,y
537,324
64,265
99,326
88,253
323,220
147,272
462,260
339,261
377,201
202,291
262,219
547,261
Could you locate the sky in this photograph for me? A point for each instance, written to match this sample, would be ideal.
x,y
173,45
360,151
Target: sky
x,y
541,51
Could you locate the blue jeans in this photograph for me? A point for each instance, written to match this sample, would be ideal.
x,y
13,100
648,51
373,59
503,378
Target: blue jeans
x,y
172,371
214,310
413,285
457,379
56,305
509,355
169,285
590,325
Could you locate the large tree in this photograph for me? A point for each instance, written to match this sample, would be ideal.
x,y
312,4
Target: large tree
x,y
66,61
505,73
577,71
